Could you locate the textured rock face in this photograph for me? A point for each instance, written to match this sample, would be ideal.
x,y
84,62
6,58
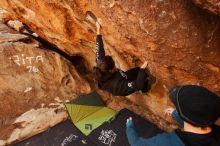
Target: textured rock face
x,y
211,5
180,41
34,84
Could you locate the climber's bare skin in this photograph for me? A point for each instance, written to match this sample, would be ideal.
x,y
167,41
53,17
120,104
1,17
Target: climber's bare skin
x,y
98,28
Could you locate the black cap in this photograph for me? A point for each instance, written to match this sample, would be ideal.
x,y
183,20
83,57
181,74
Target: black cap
x,y
196,105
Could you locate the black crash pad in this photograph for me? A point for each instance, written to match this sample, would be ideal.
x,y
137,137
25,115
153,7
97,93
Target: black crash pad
x,y
113,133
63,134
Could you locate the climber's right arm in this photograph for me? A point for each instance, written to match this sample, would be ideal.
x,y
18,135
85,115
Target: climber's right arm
x,y
100,52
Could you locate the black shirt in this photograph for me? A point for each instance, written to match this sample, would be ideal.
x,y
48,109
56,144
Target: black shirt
x,y
192,139
121,83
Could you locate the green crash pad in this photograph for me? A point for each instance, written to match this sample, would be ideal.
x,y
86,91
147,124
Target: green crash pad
x,y
88,112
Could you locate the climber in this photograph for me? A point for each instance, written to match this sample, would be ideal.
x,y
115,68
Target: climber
x,y
114,80
198,108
